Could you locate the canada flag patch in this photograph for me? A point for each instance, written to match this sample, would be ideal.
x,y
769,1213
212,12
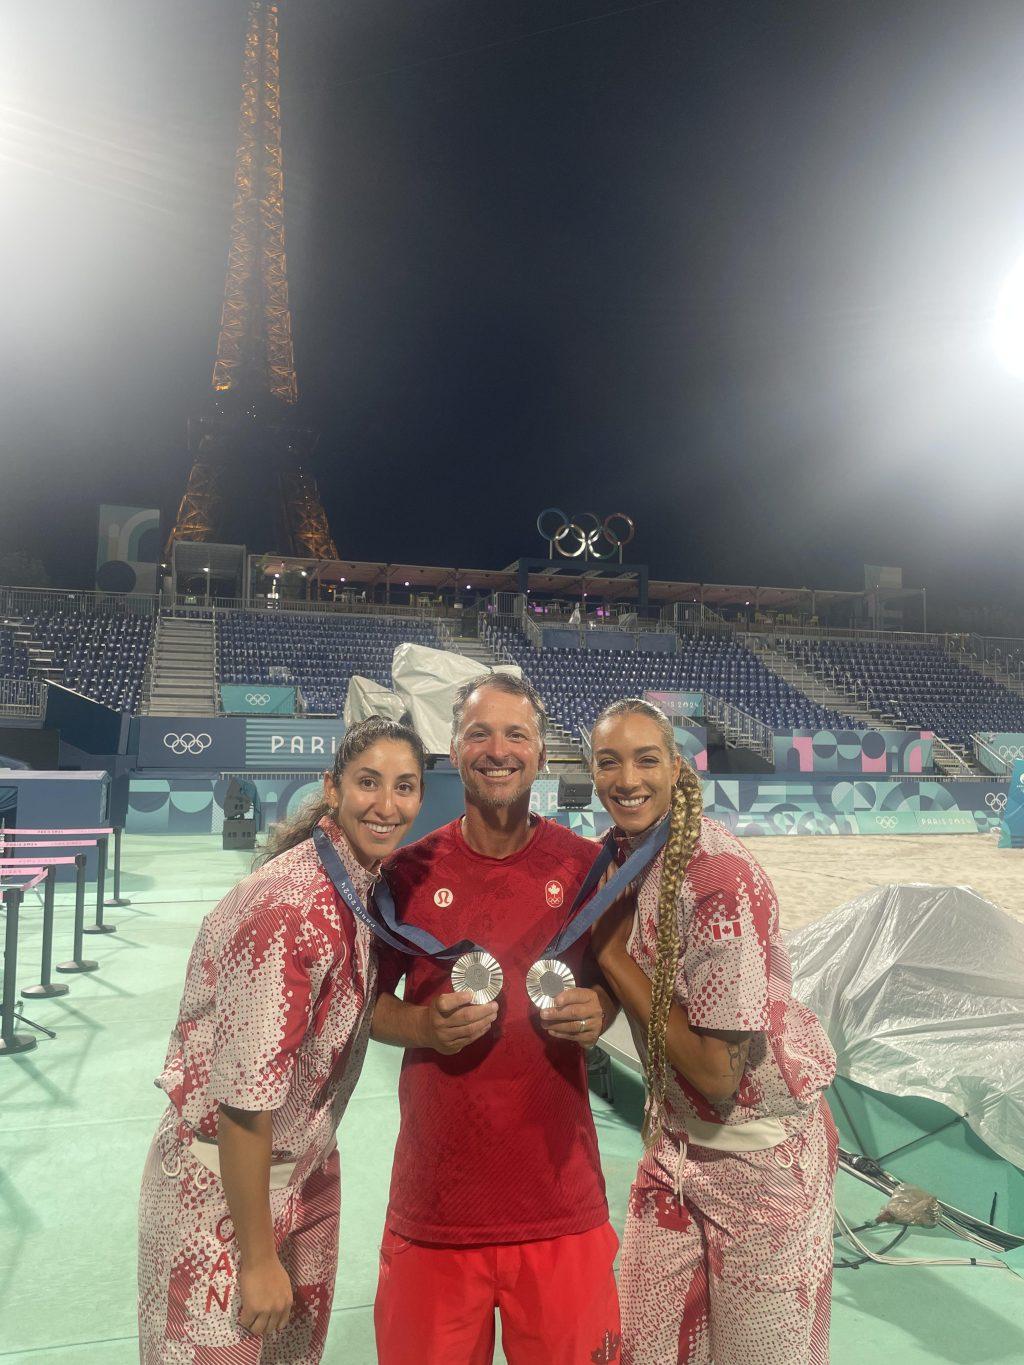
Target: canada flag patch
x,y
727,928
553,894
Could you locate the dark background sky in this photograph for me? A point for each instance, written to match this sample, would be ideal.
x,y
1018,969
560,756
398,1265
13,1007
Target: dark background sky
x,y
729,267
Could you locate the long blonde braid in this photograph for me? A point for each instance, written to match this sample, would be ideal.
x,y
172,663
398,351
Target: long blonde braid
x,y
683,833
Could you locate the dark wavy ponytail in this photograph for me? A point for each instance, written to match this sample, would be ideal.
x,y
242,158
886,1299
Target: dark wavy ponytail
x,y
359,738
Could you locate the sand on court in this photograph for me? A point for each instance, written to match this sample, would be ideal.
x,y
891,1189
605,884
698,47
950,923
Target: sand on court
x,y
815,873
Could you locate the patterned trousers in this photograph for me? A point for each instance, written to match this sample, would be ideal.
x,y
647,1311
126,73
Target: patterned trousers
x,y
740,1272
188,1264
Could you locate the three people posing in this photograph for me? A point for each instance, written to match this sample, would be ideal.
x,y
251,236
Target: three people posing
x,y
497,1198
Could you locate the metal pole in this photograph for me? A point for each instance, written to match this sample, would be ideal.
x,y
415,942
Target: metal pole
x,y
78,963
101,877
11,1042
118,899
46,987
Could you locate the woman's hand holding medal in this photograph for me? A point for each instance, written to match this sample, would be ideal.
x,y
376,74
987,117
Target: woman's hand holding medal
x,y
576,1016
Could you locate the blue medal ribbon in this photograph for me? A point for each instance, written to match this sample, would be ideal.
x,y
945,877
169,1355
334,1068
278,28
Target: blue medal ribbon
x,y
380,916
584,913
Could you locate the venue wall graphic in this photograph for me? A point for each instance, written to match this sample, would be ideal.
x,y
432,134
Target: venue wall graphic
x,y
128,549
1008,747
853,751
1012,832
692,742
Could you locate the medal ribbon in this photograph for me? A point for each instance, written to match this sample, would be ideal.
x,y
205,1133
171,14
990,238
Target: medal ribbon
x,y
582,919
380,916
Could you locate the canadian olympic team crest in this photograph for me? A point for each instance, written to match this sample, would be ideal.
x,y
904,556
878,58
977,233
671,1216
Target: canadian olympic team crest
x,y
554,894
187,742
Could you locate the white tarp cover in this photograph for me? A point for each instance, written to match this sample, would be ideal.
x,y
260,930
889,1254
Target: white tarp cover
x,y
427,680
921,989
368,698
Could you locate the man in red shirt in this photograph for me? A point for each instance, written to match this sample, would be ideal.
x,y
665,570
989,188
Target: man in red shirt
x,y
497,1197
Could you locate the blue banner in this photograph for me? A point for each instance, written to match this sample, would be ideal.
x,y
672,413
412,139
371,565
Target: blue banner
x,y
257,699
192,743
1012,832
292,745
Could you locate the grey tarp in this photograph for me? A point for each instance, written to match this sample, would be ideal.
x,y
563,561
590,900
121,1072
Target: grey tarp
x,y
921,989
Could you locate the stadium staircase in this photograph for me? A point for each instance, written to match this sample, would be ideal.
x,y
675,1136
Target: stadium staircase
x,y
812,685
42,665
986,668
565,754
951,760
182,674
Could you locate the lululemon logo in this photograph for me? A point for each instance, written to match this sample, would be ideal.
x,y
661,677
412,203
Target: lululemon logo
x,y
443,897
553,894
187,743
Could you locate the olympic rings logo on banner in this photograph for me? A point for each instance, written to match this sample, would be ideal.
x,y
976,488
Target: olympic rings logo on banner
x,y
886,821
257,698
187,743
1011,751
996,802
584,533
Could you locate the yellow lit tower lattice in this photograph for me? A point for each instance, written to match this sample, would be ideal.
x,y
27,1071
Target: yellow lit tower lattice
x,y
252,432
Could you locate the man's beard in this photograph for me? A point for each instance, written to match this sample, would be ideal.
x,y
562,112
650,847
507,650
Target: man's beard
x,y
477,786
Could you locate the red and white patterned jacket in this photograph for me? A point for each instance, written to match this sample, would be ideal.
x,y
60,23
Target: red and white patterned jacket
x,y
277,1004
734,973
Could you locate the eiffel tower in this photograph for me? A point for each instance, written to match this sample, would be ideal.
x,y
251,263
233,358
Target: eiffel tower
x,y
250,481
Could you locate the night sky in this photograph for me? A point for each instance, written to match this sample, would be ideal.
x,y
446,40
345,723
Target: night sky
x,y
730,268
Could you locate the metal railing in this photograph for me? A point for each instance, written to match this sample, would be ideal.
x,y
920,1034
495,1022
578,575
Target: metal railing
x,y
22,697
740,727
196,604
585,744
952,762
993,761
53,601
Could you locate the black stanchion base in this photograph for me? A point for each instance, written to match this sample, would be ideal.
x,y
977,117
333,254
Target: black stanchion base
x,y
118,900
100,929
20,1042
84,966
45,992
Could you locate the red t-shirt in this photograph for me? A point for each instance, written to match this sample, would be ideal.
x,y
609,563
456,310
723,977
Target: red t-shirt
x,y
497,1143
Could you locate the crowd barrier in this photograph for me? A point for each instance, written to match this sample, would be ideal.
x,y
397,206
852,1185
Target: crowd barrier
x,y
44,855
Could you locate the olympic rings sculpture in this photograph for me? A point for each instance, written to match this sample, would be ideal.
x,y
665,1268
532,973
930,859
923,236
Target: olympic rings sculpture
x,y
257,698
187,743
996,802
584,533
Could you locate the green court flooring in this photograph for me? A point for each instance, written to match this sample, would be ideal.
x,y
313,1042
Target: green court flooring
x,y
77,1114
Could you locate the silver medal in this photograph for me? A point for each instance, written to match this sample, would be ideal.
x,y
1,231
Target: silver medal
x,y
480,973
546,979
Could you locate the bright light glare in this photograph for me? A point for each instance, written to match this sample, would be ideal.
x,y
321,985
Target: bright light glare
x,y
1009,322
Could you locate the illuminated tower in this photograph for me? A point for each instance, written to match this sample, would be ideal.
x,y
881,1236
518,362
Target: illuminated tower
x,y
250,482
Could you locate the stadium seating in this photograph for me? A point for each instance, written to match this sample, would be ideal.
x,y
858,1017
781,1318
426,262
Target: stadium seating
x,y
577,683
102,654
13,656
919,686
318,653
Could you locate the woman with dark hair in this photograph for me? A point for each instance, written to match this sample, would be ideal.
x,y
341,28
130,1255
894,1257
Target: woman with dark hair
x,y
238,1219
727,1254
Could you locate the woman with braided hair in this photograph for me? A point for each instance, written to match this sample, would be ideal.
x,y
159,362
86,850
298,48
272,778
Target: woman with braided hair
x,y
727,1254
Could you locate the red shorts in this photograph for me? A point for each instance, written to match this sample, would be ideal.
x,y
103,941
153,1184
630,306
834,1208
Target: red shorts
x,y
556,1299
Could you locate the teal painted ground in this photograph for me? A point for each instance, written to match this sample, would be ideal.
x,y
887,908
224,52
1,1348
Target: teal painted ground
x,y
76,1116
